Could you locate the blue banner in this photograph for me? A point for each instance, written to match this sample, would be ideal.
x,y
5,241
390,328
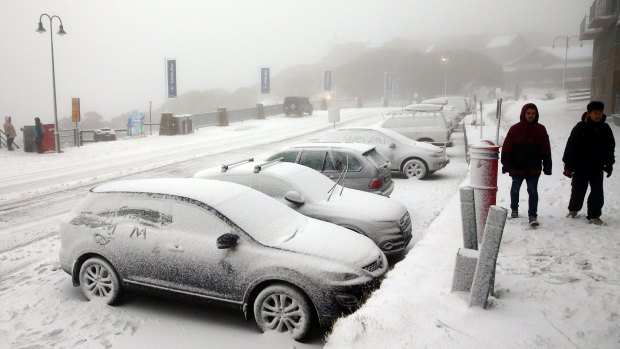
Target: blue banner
x,y
388,81
327,80
395,85
265,81
171,66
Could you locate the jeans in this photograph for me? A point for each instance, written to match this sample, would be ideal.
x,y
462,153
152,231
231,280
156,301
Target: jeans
x,y
532,191
579,188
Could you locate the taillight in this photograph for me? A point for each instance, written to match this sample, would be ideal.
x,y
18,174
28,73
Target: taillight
x,y
376,183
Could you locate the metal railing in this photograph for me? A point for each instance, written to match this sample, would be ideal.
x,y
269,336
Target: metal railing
x,y
601,8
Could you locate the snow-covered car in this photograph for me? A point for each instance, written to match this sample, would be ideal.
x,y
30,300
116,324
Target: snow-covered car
x,y
385,221
461,104
409,157
367,169
421,122
104,134
217,241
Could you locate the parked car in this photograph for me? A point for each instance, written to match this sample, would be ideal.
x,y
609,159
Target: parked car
x,y
104,134
367,169
421,122
297,106
452,115
385,221
462,105
217,241
411,158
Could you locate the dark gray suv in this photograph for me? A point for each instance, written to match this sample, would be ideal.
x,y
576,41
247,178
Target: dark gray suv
x,y
297,106
217,241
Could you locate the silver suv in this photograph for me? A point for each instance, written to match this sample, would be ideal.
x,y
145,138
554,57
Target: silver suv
x,y
366,168
421,122
409,157
217,241
385,221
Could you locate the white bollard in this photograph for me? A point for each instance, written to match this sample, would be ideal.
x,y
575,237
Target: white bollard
x,y
468,218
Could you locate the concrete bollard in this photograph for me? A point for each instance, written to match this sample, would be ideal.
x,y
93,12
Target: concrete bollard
x,y
223,116
464,269
468,218
484,276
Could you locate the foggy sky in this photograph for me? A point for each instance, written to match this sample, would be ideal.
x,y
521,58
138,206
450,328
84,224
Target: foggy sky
x,y
113,54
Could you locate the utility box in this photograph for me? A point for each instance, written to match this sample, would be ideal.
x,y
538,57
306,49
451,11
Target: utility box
x,y
484,158
167,125
28,136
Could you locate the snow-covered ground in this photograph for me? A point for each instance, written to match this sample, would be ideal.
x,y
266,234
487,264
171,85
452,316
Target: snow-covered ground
x,y
40,307
559,285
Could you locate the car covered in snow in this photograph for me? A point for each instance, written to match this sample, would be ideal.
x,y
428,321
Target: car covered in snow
x,y
462,105
217,241
411,158
385,221
104,134
366,168
422,123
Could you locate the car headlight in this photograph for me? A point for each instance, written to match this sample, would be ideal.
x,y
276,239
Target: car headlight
x,y
341,276
437,155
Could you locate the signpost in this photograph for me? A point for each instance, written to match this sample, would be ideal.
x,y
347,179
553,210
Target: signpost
x,y
75,117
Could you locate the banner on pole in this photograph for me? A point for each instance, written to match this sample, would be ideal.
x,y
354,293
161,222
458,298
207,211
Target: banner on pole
x,y
171,65
388,81
327,80
265,81
75,110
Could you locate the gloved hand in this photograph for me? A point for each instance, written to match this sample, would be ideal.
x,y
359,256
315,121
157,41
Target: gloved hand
x,y
608,169
547,171
568,173
505,169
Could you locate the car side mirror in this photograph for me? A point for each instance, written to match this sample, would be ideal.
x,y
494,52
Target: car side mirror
x,y
392,145
294,197
227,240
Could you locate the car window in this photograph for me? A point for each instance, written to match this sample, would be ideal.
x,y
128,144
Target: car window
x,y
376,157
289,155
313,159
191,218
341,159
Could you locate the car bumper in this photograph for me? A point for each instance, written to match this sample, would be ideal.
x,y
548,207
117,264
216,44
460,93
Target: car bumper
x,y
439,164
344,300
388,190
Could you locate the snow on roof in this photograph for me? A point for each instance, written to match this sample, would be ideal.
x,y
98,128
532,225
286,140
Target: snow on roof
x,y
423,107
440,101
575,53
501,41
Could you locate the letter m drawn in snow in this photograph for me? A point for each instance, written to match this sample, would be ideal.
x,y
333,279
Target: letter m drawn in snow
x,y
137,232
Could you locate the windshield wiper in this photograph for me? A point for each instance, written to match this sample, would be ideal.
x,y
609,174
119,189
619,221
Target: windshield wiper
x,y
343,174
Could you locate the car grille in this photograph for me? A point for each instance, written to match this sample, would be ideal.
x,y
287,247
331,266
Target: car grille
x,y
405,224
376,265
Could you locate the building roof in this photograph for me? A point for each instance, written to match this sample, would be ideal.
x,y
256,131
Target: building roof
x,y
501,41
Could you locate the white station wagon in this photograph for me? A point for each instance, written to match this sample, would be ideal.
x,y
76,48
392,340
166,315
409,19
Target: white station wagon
x,y
421,122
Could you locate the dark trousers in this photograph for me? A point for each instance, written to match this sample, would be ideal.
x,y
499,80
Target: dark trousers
x,y
38,142
9,142
532,191
579,184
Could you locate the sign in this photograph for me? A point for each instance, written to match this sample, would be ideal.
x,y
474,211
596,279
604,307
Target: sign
x,y
171,73
75,110
327,80
135,124
265,81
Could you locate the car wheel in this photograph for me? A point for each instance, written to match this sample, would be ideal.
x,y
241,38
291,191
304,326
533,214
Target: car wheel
x,y
428,140
283,308
415,168
99,281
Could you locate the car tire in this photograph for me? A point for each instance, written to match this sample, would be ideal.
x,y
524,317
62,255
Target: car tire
x,y
415,168
427,140
283,308
99,281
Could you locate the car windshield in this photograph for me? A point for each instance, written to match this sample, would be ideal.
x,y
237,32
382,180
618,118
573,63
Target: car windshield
x,y
265,219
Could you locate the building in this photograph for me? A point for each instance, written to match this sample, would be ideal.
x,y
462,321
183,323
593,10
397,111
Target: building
x,y
505,48
544,67
602,25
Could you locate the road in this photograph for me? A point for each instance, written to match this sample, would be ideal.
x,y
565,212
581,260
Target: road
x,y
42,307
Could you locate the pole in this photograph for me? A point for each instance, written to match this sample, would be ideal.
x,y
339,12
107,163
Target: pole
x,y
565,63
445,84
150,118
56,133
166,81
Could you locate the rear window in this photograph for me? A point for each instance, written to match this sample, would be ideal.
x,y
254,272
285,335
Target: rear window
x,y
376,157
343,158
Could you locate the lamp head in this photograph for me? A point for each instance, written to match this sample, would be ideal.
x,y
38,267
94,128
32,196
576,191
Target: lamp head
x,y
40,29
61,31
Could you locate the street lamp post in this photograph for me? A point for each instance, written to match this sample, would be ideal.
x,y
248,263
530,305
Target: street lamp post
x,y
445,83
61,31
566,39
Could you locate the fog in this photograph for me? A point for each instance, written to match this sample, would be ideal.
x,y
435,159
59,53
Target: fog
x,y
113,54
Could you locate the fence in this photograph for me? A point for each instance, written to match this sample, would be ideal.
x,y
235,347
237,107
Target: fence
x,y
578,95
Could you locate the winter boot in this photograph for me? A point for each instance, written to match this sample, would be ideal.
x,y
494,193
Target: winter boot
x,y
533,221
596,221
514,214
571,214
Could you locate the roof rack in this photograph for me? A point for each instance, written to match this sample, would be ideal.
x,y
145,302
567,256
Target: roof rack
x,y
226,166
260,166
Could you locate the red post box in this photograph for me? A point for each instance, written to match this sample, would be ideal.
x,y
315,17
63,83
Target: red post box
x,y
48,137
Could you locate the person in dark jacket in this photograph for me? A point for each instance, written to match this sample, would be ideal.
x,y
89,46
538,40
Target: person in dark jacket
x,y
526,153
39,132
589,152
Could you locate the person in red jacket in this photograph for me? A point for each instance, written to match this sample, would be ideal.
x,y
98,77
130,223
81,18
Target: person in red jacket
x,y
526,153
